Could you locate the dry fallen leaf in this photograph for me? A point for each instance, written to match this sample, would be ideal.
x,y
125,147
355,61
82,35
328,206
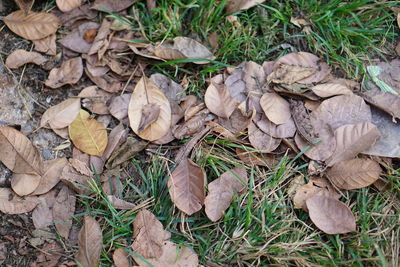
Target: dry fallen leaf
x,y
219,101
125,152
186,186
90,243
330,215
113,6
330,89
149,235
25,5
33,26
119,106
23,183
88,135
51,176
116,138
69,72
120,204
20,57
17,152
42,215
76,40
286,130
46,45
95,99
276,108
146,92
121,258
354,174
68,5
237,5
10,203
150,114
74,180
192,49
262,141
382,100
63,210
100,42
62,114
290,74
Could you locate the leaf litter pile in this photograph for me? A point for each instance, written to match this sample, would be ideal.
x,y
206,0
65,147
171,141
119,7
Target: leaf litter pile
x,y
291,106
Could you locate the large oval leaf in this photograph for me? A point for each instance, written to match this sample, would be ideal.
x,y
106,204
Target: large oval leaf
x,y
219,101
145,93
330,89
88,135
32,26
90,243
186,186
51,176
62,114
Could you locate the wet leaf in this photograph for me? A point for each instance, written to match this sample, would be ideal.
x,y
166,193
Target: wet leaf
x,y
219,101
275,107
95,99
149,235
63,210
113,6
352,139
68,5
10,203
62,114
330,215
186,186
262,141
20,57
88,135
236,5
69,72
23,184
90,243
119,106
146,92
121,258
25,5
33,26
354,174
17,152
77,40
330,89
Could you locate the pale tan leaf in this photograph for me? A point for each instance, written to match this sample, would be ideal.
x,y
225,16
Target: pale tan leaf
x,y
90,243
23,183
354,174
25,5
192,49
219,101
321,150
146,92
33,26
120,203
17,152
68,5
330,215
63,210
150,113
167,53
330,89
10,203
62,114
237,5
51,176
352,139
173,255
236,178
276,108
383,100
95,99
69,72
149,235
262,141
81,166
237,122
46,45
88,135
186,186
121,258
20,57
254,158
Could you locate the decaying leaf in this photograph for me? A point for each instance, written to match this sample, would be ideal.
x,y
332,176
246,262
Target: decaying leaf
x,y
69,72
33,26
121,258
330,89
149,235
90,242
330,215
46,45
352,139
62,114
68,5
23,183
51,176
186,186
17,152
88,135
354,173
20,57
219,101
63,210
146,92
77,40
276,108
262,141
95,99
125,152
10,203
237,5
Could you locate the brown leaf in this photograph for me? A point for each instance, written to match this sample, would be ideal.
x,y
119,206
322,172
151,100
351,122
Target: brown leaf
x,y
62,114
69,72
146,92
219,101
383,100
330,215
46,45
120,204
119,106
125,152
49,255
254,158
100,42
17,152
68,5
20,57
88,135
116,138
330,89
237,5
75,180
172,90
63,210
33,26
352,139
149,235
237,122
262,141
81,166
286,130
95,99
322,150
42,215
78,39
289,74
10,203
275,107
185,150
150,114
25,5
79,13
186,186
23,184
113,6
354,174
121,258
192,49
90,243
51,176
